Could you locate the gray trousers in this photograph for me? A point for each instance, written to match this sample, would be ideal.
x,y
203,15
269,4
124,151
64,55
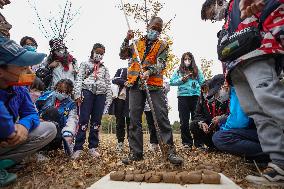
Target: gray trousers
x,y
38,138
137,100
261,96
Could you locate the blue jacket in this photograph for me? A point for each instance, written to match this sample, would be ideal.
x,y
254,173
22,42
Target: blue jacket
x,y
67,110
192,87
16,106
237,119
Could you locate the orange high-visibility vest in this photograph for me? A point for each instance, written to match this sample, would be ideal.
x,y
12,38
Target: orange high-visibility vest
x,y
151,58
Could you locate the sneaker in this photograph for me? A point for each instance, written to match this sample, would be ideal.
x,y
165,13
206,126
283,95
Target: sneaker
x,y
6,178
94,152
41,157
131,158
187,147
77,154
175,159
272,175
6,163
119,147
154,147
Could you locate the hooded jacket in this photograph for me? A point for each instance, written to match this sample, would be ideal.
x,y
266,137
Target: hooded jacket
x,y
16,107
192,87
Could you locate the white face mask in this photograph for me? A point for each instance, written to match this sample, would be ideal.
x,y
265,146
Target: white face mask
x,y
60,52
98,57
220,11
223,95
187,63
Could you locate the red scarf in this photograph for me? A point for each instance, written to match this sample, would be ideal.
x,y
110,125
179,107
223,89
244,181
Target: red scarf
x,y
69,59
96,69
57,103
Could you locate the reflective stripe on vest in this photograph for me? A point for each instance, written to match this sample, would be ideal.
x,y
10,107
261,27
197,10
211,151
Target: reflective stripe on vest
x,y
150,59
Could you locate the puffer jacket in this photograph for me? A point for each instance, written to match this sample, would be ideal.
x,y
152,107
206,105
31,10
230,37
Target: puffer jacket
x,y
67,110
192,87
86,80
59,73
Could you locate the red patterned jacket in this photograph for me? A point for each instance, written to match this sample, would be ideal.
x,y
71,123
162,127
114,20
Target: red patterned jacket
x,y
272,29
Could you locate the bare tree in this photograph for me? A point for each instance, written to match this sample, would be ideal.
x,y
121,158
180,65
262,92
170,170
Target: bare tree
x,y
57,25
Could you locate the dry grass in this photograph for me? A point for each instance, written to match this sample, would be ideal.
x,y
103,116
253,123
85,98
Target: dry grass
x,y
61,172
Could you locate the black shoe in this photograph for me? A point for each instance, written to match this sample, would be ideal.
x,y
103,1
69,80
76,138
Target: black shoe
x,y
131,158
175,159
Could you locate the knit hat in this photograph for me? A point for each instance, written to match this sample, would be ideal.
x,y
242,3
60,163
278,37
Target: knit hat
x,y
56,44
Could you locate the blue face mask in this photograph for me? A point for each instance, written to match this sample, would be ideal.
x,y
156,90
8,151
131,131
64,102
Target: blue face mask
x,y
152,34
60,96
30,48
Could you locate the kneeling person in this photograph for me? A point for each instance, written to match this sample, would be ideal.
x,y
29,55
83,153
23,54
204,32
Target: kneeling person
x,y
57,106
21,133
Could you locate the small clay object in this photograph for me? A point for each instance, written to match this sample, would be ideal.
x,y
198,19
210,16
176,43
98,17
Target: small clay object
x,y
137,172
139,177
128,172
159,174
129,177
193,177
117,176
211,177
155,179
178,178
169,177
148,175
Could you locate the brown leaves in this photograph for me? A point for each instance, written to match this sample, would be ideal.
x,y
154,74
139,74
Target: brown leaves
x,y
62,173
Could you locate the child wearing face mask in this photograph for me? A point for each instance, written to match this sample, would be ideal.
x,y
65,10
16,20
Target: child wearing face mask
x,y
61,63
93,96
189,79
58,106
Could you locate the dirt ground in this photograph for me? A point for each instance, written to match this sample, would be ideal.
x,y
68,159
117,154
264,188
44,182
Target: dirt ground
x,y
60,172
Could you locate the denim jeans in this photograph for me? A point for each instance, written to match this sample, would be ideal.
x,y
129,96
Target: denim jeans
x,y
242,142
91,110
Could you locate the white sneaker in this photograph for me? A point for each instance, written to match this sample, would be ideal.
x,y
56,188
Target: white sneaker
x,y
153,147
40,157
77,154
94,152
119,147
